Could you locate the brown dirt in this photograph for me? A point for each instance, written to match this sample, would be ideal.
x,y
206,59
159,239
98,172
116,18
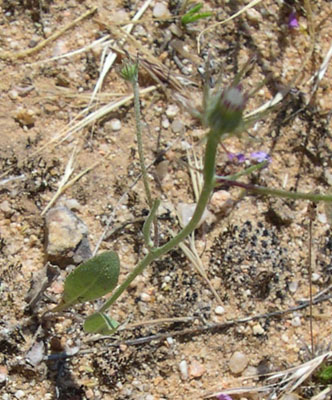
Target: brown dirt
x,y
251,257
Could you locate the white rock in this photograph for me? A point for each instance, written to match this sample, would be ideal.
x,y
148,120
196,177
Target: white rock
x,y
19,394
36,354
186,211
219,310
258,330
221,202
165,123
183,367
160,11
315,277
322,218
254,15
185,145
5,207
177,126
172,110
196,369
115,124
13,94
170,340
293,286
145,297
238,362
285,338
296,321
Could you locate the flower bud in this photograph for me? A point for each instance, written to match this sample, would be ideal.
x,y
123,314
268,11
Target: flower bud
x,y
129,71
226,110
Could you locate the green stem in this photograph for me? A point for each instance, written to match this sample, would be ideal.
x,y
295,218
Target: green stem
x,y
208,186
277,192
245,172
139,140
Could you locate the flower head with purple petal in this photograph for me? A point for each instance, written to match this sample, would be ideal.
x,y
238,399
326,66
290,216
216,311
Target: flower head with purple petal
x,y
238,157
224,397
260,156
292,21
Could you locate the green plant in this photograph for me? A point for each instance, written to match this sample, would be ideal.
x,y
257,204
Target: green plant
x,y
222,112
194,15
325,374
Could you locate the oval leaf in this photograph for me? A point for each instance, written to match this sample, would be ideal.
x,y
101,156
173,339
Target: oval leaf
x,y
100,323
91,280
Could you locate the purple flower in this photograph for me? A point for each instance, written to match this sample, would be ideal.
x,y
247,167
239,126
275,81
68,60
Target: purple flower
x,y
224,397
260,156
239,157
292,21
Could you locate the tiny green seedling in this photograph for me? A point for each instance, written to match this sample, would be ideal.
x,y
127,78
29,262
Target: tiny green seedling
x,y
325,374
194,15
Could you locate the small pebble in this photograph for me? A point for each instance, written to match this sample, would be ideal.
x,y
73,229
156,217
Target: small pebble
x,y
172,111
13,94
185,145
165,123
296,321
253,15
145,297
196,369
183,367
3,373
219,310
293,286
19,394
221,202
186,211
322,218
177,126
250,371
238,362
258,330
162,170
290,396
115,124
170,341
26,117
284,338
5,208
315,277
160,11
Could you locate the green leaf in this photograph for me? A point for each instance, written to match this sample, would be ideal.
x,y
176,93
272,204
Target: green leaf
x,y
91,280
100,323
193,15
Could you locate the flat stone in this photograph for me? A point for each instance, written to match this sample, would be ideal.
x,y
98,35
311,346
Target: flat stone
x,y
219,310
160,10
66,237
196,369
238,362
183,367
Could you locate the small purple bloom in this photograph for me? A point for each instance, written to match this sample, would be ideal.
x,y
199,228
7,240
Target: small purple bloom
x,y
239,157
224,397
260,156
292,21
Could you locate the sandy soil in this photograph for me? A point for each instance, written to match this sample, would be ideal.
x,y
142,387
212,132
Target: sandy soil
x,y
256,257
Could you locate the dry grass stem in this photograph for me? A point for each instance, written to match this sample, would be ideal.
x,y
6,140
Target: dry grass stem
x,y
111,57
